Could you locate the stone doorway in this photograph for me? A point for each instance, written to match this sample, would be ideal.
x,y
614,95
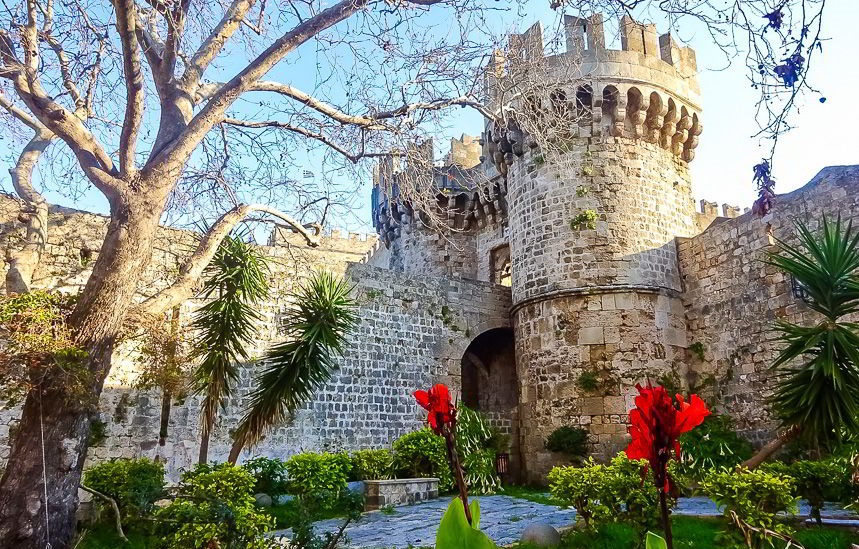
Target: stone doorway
x,y
491,386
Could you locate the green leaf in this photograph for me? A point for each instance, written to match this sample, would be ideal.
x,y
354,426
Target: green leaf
x,y
655,542
454,532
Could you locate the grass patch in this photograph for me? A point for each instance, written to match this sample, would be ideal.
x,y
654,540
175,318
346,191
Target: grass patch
x,y
103,536
289,513
694,533
537,494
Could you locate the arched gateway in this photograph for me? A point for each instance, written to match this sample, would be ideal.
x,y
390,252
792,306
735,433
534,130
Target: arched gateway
x,y
490,385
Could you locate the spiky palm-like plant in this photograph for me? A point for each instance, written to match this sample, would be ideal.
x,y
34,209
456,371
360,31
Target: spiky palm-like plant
x,y
817,393
237,281
322,315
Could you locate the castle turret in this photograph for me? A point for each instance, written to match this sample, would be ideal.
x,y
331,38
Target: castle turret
x,y
592,222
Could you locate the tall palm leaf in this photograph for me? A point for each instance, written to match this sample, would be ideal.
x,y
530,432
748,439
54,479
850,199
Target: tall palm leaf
x,y
817,393
318,322
226,325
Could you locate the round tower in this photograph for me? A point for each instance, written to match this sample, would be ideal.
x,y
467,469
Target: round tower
x,y
595,276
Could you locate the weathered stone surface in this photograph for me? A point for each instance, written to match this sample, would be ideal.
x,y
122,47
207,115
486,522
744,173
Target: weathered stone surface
x,y
541,535
385,493
263,500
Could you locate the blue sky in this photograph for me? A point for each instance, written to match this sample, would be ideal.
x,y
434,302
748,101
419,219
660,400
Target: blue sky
x,y
824,134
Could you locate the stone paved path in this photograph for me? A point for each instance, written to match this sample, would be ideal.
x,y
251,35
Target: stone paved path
x,y
502,518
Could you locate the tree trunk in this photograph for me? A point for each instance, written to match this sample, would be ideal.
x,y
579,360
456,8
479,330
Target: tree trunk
x,y
235,451
53,435
166,405
772,447
206,433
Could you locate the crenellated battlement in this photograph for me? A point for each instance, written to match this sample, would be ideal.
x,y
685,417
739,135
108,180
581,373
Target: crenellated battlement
x,y
647,90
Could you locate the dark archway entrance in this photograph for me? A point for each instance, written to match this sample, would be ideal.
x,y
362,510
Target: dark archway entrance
x,y
491,386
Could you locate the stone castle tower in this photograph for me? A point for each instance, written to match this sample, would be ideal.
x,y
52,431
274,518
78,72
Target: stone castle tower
x,y
586,238
595,273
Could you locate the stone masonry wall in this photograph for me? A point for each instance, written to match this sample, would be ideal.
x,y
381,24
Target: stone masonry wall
x,y
412,332
733,298
598,302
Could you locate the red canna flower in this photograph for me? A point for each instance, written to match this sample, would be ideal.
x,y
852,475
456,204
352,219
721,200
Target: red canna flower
x,y
655,425
439,405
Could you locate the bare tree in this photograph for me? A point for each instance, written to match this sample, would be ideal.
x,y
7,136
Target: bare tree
x,y
160,52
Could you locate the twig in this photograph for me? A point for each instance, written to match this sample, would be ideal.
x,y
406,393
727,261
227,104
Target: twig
x,y
115,509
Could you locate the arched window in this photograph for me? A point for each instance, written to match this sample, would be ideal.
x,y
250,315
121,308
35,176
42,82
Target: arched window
x,y
499,265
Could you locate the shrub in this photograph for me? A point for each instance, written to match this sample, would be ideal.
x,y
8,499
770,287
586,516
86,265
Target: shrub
x,y
135,484
373,464
582,488
603,494
713,445
816,481
214,507
751,500
474,440
318,474
270,475
422,454
571,441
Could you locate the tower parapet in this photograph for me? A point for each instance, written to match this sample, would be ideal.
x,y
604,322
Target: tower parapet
x,y
647,90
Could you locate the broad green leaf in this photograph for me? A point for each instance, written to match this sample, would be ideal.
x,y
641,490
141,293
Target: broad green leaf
x,y
454,532
655,542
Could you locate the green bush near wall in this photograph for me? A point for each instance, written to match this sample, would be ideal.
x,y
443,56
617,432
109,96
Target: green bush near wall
x,y
135,485
373,464
422,454
315,474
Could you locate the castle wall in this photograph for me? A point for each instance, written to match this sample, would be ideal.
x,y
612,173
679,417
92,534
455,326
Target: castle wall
x,y
732,298
602,302
413,331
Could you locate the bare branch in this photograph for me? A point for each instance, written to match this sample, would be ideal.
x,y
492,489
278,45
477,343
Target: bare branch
x,y
214,43
126,25
192,269
322,138
292,92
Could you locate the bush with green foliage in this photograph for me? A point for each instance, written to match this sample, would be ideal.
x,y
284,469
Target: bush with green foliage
x,y
712,445
270,475
570,441
373,464
214,507
421,454
135,485
603,494
474,440
816,481
751,501
323,474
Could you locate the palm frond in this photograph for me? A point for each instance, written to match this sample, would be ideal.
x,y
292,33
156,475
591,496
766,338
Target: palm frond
x,y
821,392
237,280
318,323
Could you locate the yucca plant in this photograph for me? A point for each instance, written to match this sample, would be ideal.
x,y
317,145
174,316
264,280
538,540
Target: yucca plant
x,y
817,369
224,326
318,322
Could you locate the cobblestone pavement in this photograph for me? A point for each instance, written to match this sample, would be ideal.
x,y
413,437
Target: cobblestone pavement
x,y
502,518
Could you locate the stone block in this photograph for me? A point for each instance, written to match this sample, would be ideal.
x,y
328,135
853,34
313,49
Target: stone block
x,y
592,335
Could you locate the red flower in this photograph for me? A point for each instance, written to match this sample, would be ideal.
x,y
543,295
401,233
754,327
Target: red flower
x,y
655,425
439,405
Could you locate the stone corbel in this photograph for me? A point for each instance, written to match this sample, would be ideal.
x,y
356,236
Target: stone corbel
x,y
668,129
681,135
655,122
692,143
639,116
618,116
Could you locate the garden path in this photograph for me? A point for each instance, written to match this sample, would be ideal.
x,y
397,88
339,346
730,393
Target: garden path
x,y
502,518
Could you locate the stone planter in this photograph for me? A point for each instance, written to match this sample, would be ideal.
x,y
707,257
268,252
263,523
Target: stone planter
x,y
401,491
